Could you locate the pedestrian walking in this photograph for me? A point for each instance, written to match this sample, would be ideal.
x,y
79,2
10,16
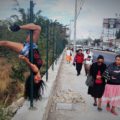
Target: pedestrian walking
x,y
112,89
97,90
78,61
88,58
68,55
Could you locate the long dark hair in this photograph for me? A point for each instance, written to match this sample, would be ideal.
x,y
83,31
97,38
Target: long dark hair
x,y
38,89
100,57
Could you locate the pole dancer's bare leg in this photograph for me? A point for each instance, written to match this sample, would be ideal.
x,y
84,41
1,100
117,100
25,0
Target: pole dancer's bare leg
x,y
17,47
36,31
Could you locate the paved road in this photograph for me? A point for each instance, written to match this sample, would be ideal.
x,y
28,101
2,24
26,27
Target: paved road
x,y
80,111
109,56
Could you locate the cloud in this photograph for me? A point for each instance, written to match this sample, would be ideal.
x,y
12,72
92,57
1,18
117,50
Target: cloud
x,y
90,19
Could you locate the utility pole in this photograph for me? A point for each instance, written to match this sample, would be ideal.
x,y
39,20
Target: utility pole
x,y
70,31
47,50
75,21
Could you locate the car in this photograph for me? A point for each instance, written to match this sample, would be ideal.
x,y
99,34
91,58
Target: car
x,y
95,48
99,48
104,48
113,49
117,51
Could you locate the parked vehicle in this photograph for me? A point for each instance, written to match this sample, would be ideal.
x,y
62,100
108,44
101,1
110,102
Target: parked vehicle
x,y
105,48
97,48
117,51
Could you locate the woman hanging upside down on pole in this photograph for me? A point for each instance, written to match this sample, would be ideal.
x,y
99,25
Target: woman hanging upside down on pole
x,y
24,54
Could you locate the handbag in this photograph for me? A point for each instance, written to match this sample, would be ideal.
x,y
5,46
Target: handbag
x,y
89,81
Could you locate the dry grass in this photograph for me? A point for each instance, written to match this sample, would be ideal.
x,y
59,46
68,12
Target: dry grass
x,y
10,90
4,79
4,75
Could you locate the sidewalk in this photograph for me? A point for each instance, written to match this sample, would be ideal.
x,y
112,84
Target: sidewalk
x,y
71,101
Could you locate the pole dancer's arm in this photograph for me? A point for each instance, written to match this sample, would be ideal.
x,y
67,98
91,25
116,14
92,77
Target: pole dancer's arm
x,y
32,66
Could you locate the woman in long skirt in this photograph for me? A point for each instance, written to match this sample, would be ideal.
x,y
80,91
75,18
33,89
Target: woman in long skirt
x,y
97,90
112,89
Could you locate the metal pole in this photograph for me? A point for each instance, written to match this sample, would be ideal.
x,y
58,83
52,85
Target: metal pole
x,y
53,32
70,32
75,20
31,54
56,51
47,35
58,38
55,44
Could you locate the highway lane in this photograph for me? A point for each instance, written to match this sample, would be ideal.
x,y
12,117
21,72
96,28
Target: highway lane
x,y
108,56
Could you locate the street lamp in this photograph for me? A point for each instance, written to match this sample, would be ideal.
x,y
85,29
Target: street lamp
x,y
70,30
75,19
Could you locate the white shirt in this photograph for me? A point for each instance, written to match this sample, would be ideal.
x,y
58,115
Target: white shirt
x,y
90,55
68,52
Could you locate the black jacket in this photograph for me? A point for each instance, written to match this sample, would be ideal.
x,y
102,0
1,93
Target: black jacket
x,y
95,68
114,72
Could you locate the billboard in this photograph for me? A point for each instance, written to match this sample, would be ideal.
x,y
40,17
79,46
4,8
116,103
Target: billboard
x,y
111,23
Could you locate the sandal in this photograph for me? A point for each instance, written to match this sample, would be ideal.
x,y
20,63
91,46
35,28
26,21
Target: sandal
x,y
114,112
99,109
108,107
95,104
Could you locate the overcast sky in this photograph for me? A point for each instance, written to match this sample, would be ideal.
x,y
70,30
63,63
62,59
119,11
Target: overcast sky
x,y
89,22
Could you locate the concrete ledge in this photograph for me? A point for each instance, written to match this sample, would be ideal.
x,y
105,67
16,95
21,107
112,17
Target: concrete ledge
x,y
41,107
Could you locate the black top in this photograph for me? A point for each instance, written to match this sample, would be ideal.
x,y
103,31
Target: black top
x,y
114,72
95,68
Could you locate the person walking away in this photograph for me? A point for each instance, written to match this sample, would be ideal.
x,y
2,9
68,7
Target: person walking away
x,y
78,60
97,90
68,55
112,89
88,58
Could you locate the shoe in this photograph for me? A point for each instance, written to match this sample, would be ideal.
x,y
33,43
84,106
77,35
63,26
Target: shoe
x,y
108,108
95,104
99,109
78,74
114,112
14,28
